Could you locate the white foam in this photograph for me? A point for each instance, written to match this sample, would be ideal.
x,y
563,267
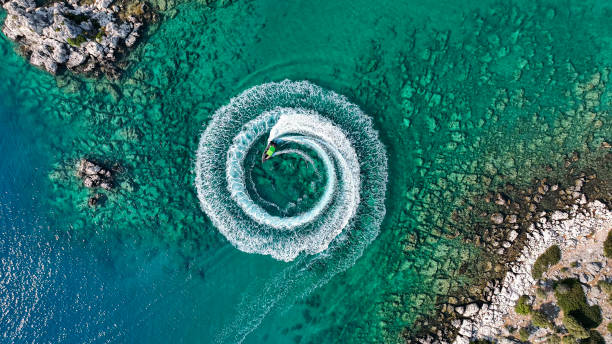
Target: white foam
x,y
338,132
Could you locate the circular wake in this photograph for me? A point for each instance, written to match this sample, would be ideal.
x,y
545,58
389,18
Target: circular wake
x,y
308,123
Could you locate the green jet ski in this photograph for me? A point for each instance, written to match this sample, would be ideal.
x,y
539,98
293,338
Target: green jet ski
x,y
269,151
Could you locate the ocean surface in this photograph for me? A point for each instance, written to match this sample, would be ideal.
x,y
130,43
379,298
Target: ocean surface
x,y
466,96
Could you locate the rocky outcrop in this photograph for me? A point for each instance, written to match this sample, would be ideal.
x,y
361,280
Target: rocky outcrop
x,y
565,229
86,38
94,175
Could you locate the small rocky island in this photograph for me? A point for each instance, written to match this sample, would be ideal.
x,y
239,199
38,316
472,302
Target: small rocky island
x,y
96,176
85,36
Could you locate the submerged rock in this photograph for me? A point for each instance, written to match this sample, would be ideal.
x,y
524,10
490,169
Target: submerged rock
x,y
96,200
85,38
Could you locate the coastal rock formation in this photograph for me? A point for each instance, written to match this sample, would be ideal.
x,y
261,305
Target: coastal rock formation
x,y
94,175
86,38
565,229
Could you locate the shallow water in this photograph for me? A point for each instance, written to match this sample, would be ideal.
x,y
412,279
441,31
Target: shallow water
x,y
466,96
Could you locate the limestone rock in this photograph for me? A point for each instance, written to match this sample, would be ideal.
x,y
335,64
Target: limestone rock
x,y
75,59
94,175
471,310
66,35
103,4
512,235
487,322
497,218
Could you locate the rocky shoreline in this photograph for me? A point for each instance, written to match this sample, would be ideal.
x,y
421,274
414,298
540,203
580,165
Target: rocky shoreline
x,y
565,229
511,226
85,36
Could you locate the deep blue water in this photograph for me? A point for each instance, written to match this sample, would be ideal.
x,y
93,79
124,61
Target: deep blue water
x,y
55,289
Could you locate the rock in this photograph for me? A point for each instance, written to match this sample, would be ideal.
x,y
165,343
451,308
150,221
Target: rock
x,y
512,235
96,200
594,267
94,49
585,278
471,310
88,182
542,189
461,340
501,297
106,186
59,53
94,175
67,35
75,59
39,60
131,39
509,341
500,200
102,4
511,218
497,218
558,215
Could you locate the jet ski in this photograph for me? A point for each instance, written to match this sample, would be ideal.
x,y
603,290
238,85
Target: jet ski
x,y
269,151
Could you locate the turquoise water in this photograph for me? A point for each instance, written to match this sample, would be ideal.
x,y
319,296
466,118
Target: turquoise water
x,y
466,96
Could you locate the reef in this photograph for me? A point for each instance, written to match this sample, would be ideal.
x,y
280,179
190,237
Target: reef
x,y
88,37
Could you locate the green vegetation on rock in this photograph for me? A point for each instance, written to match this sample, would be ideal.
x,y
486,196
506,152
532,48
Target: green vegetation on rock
x,y
569,340
574,328
553,339
605,286
540,320
540,293
77,41
594,338
100,34
522,306
571,299
550,257
523,334
610,327
608,245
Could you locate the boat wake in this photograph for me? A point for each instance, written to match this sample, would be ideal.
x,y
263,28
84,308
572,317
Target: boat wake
x,y
306,116
331,135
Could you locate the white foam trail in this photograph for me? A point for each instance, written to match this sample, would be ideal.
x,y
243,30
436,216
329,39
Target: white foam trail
x,y
306,116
